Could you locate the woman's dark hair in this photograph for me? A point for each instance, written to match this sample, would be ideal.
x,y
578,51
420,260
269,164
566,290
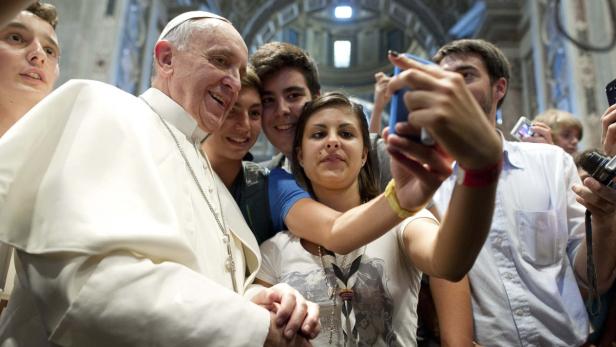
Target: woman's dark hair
x,y
368,182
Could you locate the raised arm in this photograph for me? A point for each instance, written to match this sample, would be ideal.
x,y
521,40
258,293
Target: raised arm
x,y
441,102
341,232
381,98
344,232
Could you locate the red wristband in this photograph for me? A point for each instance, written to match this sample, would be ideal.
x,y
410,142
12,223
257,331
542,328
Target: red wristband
x,y
479,177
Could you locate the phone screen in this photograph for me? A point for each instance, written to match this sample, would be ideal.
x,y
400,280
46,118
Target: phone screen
x,y
522,129
525,130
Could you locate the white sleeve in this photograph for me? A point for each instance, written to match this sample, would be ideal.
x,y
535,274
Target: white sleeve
x,y
123,300
270,261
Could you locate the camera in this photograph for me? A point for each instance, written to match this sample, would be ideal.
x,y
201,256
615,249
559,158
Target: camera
x,y
399,113
600,167
522,129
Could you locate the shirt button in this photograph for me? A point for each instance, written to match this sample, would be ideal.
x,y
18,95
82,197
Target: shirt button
x,y
507,275
519,312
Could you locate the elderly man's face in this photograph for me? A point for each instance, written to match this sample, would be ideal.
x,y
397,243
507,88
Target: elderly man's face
x,y
28,58
206,73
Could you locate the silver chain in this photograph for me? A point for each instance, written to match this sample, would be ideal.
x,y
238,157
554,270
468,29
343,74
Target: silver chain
x,y
229,263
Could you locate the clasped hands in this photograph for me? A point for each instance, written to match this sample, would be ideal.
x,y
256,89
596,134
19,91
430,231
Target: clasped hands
x,y
293,319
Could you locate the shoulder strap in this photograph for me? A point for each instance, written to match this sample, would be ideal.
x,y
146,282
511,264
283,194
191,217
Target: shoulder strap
x,y
255,200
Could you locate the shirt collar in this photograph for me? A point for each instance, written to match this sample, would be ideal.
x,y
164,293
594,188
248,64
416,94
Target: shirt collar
x,y
512,157
173,113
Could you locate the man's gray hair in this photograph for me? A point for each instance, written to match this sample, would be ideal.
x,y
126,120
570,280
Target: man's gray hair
x,y
180,29
181,34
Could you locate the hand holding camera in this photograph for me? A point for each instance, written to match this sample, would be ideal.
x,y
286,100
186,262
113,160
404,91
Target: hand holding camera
x,y
399,113
608,135
608,121
536,132
598,192
439,101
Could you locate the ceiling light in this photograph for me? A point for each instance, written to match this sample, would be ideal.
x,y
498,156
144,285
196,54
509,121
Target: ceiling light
x,y
342,54
343,12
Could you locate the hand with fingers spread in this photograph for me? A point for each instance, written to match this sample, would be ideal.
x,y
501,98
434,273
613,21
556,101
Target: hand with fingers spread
x,y
292,314
541,134
440,101
608,134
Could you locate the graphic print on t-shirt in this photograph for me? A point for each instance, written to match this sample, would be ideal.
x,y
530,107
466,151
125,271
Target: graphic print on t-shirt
x,y
372,302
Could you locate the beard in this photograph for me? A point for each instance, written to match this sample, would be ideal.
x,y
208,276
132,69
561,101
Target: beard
x,y
486,102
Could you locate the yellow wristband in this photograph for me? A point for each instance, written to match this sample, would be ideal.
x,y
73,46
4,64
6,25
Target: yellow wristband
x,y
392,199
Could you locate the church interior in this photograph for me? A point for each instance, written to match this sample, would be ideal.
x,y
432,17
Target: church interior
x,y
562,52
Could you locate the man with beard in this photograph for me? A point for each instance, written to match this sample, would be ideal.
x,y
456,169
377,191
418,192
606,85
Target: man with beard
x,y
525,281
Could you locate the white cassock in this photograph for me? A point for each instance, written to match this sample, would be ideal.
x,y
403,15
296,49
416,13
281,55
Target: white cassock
x,y
115,244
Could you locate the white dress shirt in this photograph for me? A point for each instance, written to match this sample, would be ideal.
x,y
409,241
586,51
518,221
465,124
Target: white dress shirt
x,y
116,245
523,286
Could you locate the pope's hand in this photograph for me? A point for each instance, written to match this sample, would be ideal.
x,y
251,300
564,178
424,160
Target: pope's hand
x,y
290,310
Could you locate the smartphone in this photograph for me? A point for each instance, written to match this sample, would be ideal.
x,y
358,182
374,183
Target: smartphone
x,y
397,109
522,129
610,91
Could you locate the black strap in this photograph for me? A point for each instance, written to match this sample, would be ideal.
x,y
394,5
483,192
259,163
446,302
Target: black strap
x,y
594,302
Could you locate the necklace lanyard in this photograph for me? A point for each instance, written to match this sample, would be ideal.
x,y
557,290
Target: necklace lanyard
x,y
343,283
229,262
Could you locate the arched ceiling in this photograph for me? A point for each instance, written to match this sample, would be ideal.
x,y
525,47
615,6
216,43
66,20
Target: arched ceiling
x,y
417,26
376,26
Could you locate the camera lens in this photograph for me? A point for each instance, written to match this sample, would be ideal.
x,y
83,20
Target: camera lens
x,y
595,164
590,161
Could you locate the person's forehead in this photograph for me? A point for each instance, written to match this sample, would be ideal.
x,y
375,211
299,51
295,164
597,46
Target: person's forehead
x,y
569,129
215,29
457,61
287,77
29,21
250,93
337,115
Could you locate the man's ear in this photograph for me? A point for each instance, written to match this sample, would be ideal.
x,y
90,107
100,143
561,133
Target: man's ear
x,y
500,88
163,56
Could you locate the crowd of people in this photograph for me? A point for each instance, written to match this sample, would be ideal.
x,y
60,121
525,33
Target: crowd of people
x,y
143,220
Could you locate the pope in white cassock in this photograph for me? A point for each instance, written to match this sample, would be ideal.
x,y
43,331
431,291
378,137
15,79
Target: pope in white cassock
x,y
124,234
